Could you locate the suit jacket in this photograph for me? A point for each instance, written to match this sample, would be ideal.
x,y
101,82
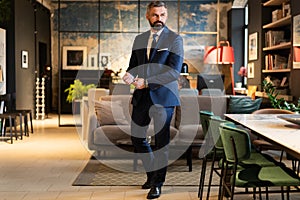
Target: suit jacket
x,y
161,70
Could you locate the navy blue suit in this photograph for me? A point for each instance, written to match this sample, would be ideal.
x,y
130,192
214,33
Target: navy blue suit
x,y
157,101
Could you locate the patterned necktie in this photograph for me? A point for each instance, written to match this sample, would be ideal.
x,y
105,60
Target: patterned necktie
x,y
153,44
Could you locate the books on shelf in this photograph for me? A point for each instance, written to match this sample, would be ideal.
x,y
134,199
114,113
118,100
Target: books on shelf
x,y
275,61
273,38
284,82
276,15
289,66
286,9
280,62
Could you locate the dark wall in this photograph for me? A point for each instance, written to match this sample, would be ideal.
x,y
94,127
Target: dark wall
x,y
24,41
236,21
10,58
31,25
255,25
43,33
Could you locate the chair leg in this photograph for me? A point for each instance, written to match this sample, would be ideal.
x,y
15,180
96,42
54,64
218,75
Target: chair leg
x,y
189,158
259,190
221,177
15,127
267,193
30,116
281,156
254,193
211,173
10,129
21,126
1,127
282,193
202,178
224,186
26,125
232,192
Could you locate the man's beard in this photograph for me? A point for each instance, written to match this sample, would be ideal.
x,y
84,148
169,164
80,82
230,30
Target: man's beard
x,y
157,25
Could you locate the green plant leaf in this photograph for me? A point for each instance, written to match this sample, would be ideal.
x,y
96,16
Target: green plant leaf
x,y
279,103
77,90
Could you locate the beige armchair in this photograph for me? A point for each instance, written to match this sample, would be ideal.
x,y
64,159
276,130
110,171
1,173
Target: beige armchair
x,y
88,106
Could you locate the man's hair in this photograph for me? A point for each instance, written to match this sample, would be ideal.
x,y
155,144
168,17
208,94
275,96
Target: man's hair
x,y
153,4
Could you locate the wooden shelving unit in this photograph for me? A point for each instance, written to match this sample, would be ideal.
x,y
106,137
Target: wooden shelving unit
x,y
264,95
285,45
276,71
274,3
278,45
279,23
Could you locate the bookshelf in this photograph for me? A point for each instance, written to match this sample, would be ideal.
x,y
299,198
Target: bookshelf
x,y
277,62
276,70
279,23
273,3
284,45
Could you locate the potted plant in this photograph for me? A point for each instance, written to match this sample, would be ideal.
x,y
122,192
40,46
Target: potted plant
x,y
75,93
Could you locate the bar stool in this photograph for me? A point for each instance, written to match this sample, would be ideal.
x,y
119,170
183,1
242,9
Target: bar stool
x,y
9,100
11,117
25,113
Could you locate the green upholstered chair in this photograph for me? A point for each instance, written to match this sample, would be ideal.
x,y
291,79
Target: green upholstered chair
x,y
204,120
237,148
218,151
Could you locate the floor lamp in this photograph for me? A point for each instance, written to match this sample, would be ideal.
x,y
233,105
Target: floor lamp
x,y
222,54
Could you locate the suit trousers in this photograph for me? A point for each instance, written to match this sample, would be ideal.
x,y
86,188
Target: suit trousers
x,y
154,157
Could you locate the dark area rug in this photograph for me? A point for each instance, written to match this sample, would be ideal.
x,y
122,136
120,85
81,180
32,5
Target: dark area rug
x,y
110,173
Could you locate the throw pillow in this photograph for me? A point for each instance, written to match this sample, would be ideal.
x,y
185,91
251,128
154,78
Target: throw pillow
x,y
110,113
240,105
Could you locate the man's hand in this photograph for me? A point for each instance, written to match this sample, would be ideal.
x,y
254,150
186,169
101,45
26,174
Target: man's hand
x,y
128,78
139,83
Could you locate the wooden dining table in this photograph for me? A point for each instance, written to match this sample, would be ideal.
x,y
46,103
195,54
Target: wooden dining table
x,y
273,129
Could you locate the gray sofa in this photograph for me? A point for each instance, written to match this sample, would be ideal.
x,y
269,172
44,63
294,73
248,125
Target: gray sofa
x,y
109,125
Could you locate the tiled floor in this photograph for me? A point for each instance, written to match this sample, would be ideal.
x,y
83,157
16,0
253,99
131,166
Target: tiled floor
x,y
44,166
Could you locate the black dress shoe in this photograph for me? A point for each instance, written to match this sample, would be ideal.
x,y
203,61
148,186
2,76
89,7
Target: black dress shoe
x,y
146,185
154,193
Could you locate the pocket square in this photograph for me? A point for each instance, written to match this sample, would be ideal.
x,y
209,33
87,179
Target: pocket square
x,y
164,49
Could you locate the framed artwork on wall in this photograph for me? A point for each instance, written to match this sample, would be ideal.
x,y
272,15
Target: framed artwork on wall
x,y
296,30
250,73
296,42
74,57
24,59
104,61
253,45
93,61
